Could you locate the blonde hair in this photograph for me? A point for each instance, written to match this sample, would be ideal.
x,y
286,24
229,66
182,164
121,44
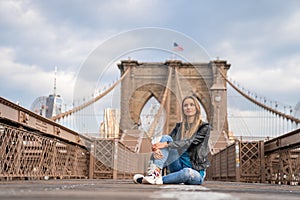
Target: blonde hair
x,y
186,130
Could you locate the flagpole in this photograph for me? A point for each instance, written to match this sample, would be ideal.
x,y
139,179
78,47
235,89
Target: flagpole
x,y
173,55
173,52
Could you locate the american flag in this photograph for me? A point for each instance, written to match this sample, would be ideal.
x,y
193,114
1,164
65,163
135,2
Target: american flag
x,y
177,47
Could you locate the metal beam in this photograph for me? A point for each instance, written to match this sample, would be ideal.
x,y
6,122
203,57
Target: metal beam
x,y
286,141
21,117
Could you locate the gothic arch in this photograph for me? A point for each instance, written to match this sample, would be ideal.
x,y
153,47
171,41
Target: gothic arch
x,y
143,94
203,80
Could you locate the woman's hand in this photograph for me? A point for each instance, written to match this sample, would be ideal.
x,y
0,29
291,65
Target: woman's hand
x,y
156,149
159,145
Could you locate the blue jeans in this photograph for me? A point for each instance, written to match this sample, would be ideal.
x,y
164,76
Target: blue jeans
x,y
178,173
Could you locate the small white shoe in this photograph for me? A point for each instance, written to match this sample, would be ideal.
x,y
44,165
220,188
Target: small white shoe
x,y
154,180
159,180
138,178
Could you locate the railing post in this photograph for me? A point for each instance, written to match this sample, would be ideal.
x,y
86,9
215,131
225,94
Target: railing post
x,y
92,160
237,160
262,162
227,165
115,158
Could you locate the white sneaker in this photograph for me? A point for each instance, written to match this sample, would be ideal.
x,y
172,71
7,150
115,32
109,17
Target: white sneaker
x,y
159,180
153,177
154,180
138,178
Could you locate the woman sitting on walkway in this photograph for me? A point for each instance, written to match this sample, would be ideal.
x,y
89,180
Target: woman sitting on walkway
x,y
184,151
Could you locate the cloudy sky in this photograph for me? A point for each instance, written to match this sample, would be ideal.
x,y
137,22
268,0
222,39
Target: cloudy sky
x,y
260,39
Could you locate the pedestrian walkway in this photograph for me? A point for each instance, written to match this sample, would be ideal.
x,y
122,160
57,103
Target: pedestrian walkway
x,y
104,189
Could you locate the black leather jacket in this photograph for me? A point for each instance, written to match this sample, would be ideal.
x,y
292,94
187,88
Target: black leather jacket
x,y
196,146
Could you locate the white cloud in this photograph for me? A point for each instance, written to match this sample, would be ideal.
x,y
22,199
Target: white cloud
x,y
291,28
260,42
31,80
279,81
264,54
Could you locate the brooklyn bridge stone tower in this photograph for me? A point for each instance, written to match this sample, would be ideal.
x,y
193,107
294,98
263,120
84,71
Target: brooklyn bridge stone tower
x,y
148,80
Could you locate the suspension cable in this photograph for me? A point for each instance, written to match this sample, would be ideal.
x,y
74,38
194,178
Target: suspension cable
x,y
80,107
158,114
294,119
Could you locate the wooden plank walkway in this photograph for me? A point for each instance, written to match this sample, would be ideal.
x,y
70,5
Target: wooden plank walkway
x,y
102,189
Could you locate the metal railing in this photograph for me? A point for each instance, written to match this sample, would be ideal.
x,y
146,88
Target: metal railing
x,y
240,161
282,159
34,147
112,159
30,155
275,161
